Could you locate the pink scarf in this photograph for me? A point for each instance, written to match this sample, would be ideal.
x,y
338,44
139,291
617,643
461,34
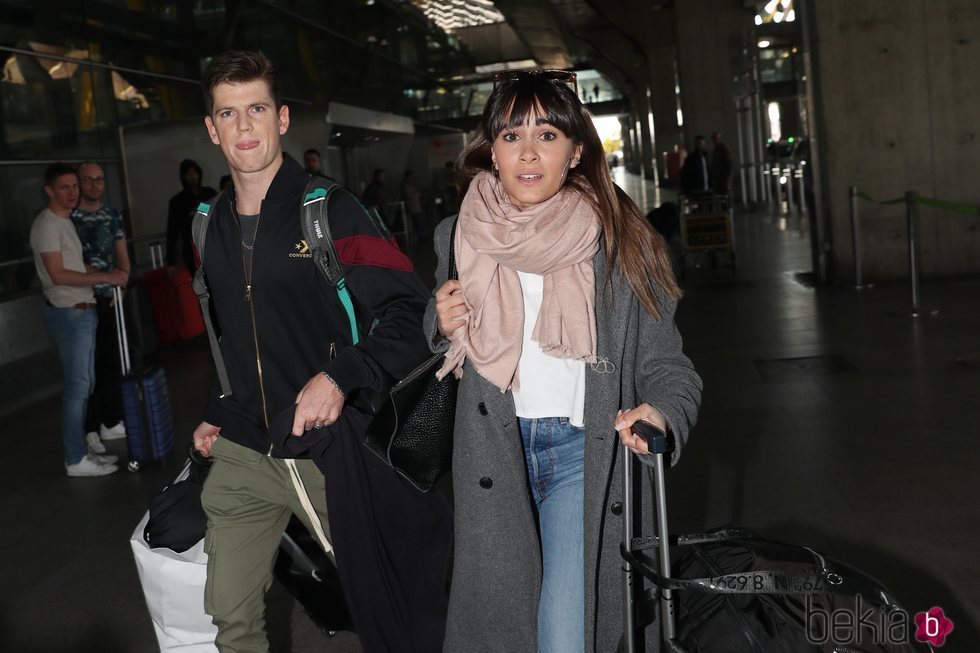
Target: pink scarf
x,y
494,239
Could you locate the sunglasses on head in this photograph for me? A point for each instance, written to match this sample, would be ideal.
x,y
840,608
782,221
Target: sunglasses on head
x,y
563,76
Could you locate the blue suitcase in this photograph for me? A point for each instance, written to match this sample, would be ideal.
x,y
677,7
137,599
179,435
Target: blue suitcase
x,y
146,412
146,404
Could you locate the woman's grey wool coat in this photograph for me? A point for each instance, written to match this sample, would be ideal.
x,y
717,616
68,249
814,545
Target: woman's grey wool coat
x,y
497,567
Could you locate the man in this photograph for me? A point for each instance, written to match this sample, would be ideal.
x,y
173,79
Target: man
x,y
721,165
100,231
69,311
311,162
181,211
695,176
285,340
412,198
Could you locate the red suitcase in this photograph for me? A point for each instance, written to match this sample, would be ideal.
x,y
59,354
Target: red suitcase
x,y
176,311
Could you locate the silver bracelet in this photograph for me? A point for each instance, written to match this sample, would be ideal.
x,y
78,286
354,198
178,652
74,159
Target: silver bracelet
x,y
330,378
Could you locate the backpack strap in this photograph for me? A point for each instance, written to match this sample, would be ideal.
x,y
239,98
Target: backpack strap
x,y
199,232
316,229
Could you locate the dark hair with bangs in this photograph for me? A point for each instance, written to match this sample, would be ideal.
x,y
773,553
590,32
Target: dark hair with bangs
x,y
239,67
632,246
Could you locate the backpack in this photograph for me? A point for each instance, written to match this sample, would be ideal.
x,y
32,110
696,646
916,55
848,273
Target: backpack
x,y
315,224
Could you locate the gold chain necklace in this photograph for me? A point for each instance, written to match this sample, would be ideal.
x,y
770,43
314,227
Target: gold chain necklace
x,y
246,267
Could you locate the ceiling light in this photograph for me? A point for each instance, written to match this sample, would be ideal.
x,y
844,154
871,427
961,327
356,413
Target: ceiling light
x,y
764,44
454,14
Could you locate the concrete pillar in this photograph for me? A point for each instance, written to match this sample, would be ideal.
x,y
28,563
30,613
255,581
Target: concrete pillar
x,y
663,101
644,117
637,166
706,33
895,93
629,154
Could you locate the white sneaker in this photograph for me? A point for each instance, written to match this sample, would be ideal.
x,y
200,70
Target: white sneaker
x,y
94,443
105,459
89,466
115,433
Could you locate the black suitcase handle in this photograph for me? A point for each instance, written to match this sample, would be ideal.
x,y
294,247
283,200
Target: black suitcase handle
x,y
657,441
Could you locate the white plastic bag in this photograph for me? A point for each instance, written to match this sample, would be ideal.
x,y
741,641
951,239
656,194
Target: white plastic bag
x,y
173,584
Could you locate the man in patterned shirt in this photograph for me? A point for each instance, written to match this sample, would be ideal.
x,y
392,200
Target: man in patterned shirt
x,y
104,248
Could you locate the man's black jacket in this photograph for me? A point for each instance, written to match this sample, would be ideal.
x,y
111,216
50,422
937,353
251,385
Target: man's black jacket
x,y
295,323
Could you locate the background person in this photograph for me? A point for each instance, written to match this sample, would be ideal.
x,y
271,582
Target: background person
x,y
181,212
696,174
721,165
100,231
311,162
374,194
413,204
69,311
561,324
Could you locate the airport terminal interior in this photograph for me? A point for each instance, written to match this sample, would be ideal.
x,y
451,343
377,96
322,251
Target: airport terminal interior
x,y
831,292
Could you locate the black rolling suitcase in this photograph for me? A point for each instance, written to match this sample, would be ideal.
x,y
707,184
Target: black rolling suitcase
x,y
732,591
311,578
146,403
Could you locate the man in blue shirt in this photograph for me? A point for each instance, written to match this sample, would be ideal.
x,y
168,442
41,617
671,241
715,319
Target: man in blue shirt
x,y
104,249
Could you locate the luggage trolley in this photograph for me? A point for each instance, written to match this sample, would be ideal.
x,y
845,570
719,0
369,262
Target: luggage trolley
x,y
707,229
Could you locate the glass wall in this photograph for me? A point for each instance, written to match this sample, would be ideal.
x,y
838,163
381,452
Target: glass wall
x,y
69,83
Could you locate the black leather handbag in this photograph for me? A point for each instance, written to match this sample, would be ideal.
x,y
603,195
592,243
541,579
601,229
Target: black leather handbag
x,y
413,430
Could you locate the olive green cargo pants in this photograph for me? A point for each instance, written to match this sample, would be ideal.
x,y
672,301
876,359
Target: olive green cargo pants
x,y
248,498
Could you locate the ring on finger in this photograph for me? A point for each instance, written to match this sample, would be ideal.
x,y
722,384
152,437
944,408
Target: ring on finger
x,y
317,425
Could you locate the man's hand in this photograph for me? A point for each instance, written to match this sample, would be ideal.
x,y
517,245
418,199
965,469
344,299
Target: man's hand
x,y
450,307
117,277
318,404
204,436
625,420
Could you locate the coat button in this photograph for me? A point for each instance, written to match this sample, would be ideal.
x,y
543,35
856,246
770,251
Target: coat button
x,y
482,407
486,482
616,508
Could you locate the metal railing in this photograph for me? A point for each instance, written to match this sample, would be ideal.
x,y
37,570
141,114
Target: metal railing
x,y
912,201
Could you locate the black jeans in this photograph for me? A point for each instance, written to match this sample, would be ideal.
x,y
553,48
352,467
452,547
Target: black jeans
x,y
105,404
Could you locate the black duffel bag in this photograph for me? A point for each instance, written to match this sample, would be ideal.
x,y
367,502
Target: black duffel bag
x,y
177,520
737,592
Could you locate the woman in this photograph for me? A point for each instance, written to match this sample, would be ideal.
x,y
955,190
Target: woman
x,y
561,329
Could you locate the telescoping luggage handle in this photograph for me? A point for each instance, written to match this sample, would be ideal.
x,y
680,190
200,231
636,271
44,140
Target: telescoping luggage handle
x,y
122,338
658,443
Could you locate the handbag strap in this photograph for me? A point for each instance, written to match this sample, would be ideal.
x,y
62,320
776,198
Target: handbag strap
x,y
453,272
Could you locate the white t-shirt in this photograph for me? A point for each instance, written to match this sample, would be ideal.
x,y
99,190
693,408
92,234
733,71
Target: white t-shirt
x,y
51,233
550,387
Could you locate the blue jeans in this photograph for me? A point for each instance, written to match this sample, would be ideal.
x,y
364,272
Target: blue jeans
x,y
555,454
74,331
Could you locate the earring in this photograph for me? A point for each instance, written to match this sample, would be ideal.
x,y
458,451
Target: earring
x,y
496,171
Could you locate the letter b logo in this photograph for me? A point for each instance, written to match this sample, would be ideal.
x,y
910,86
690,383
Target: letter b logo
x,y
933,626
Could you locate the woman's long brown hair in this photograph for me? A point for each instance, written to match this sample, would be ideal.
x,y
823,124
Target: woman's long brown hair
x,y
636,250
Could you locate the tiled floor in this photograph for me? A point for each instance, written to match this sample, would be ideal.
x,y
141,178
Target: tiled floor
x,y
874,463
